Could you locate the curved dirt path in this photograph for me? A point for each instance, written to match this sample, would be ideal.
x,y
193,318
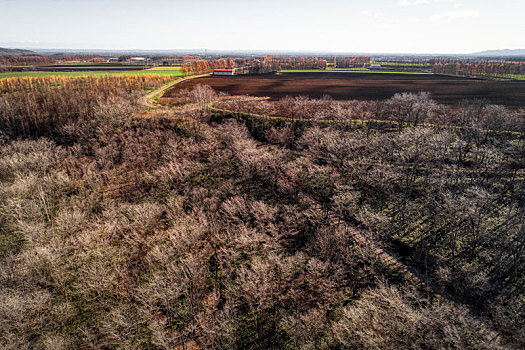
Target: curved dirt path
x,y
147,100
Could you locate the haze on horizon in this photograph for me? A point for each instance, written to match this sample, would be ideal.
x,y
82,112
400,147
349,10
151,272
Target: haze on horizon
x,y
397,26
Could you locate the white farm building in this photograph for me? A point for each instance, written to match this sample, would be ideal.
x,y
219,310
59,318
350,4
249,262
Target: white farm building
x,y
224,71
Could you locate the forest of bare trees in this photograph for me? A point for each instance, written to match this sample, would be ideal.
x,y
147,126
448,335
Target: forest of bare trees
x,y
352,62
11,60
189,227
480,68
447,195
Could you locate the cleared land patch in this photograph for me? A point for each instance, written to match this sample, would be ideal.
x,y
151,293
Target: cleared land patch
x,y
368,86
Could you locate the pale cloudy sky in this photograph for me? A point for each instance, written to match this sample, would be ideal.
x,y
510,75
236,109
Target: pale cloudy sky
x,y
400,26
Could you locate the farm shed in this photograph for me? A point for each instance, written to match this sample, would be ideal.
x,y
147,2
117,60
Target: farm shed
x,y
224,71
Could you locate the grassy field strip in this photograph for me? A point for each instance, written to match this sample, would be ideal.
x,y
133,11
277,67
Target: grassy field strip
x,y
100,73
167,69
506,76
81,67
343,70
346,69
357,122
394,64
497,77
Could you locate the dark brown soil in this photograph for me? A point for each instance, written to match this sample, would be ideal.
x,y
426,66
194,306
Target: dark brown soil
x,y
350,86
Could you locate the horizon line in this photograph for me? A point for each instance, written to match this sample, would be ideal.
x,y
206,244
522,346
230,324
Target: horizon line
x,y
337,52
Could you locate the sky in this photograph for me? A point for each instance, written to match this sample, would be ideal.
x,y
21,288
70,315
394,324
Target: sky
x,y
371,26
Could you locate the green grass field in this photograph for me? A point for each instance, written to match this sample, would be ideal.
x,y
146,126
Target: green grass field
x,y
161,72
165,69
81,67
510,76
349,70
395,64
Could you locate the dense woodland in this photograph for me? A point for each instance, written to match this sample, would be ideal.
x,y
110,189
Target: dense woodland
x,y
447,196
123,226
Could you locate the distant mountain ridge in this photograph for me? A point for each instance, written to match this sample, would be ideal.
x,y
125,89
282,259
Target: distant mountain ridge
x,y
504,52
107,52
17,52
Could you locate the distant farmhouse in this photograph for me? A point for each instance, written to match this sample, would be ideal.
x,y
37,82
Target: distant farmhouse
x,y
224,72
139,60
233,71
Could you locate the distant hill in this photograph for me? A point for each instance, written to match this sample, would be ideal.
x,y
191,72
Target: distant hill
x,y
17,52
505,52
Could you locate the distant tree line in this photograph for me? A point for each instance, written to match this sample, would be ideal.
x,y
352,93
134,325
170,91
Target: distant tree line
x,y
352,62
301,62
40,60
510,69
249,66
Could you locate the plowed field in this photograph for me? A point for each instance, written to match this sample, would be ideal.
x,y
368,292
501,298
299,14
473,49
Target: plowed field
x,y
368,86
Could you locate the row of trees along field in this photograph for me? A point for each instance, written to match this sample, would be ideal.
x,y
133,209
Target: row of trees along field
x,y
195,67
176,229
253,66
510,69
40,60
352,62
200,66
267,64
301,62
399,111
264,65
